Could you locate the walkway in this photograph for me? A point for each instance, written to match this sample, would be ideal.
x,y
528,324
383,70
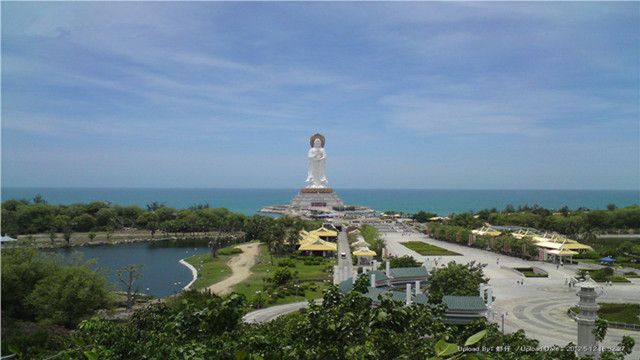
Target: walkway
x,y
344,269
241,266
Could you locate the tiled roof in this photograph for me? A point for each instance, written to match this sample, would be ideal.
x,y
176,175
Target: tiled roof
x,y
465,303
409,272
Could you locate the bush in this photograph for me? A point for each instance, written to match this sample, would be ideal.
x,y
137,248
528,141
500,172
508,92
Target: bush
x,y
282,276
229,251
286,263
312,260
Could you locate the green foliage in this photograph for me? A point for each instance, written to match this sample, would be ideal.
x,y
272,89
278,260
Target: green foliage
x,y
282,276
22,268
287,263
455,279
373,238
205,326
465,220
422,216
362,284
84,222
68,295
230,251
35,287
401,262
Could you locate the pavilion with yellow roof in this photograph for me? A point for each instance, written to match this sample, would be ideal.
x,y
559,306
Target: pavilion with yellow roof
x,y
325,234
311,242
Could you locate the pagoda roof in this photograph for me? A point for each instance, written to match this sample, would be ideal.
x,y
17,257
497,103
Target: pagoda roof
x,y
464,303
318,245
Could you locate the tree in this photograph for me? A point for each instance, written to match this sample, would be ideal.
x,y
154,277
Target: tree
x,y
91,236
128,275
52,236
66,235
422,216
84,222
373,238
465,220
106,217
39,199
402,262
455,279
22,268
68,295
154,206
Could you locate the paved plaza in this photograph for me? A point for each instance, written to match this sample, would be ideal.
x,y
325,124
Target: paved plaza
x,y
540,305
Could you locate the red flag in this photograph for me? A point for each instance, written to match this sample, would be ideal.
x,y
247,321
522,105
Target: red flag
x,y
458,237
506,247
541,254
470,239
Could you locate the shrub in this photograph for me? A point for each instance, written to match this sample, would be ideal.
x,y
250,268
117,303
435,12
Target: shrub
x,y
230,251
282,276
286,263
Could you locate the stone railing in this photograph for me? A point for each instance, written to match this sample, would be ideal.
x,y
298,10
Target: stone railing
x,y
612,324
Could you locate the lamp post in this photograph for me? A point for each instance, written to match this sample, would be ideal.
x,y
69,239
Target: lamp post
x,y
503,314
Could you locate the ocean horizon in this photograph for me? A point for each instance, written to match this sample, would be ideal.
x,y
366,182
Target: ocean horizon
x,y
250,201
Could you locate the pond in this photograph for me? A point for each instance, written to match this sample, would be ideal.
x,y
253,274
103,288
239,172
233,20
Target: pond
x,y
162,274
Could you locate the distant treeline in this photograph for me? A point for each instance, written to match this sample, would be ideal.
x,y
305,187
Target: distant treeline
x,y
581,222
22,217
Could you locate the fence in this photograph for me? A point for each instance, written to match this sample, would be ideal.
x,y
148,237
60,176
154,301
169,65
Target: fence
x,y
613,324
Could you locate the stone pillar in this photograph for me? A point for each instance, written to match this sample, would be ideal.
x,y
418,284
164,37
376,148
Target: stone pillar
x,y
417,287
482,291
408,295
372,277
388,264
587,316
375,265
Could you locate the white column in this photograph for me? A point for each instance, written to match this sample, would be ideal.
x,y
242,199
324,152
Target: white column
x,y
417,287
408,296
372,277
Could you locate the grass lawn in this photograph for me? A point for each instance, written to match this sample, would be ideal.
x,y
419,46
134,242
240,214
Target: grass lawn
x,y
622,313
312,277
427,249
210,271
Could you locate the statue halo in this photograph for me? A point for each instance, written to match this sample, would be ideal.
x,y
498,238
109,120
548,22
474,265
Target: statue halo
x,y
316,136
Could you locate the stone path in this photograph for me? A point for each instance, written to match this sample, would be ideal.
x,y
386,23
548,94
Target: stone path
x,y
241,266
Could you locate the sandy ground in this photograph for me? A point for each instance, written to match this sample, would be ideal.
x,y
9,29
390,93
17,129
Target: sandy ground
x,y
240,265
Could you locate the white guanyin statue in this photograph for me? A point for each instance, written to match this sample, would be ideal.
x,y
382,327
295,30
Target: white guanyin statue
x,y
317,159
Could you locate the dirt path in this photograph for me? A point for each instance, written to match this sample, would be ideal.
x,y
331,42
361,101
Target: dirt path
x,y
240,265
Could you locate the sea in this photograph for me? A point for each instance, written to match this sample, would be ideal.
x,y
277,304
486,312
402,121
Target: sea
x,y
250,201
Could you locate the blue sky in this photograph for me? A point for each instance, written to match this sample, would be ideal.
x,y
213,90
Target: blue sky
x,y
435,95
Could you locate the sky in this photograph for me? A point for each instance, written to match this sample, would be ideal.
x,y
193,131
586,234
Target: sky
x,y
426,95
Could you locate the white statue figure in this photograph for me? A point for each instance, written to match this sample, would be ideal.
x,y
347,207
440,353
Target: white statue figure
x,y
317,159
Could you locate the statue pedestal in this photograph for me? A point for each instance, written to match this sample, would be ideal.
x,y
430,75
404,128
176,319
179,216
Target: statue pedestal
x,y
309,198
